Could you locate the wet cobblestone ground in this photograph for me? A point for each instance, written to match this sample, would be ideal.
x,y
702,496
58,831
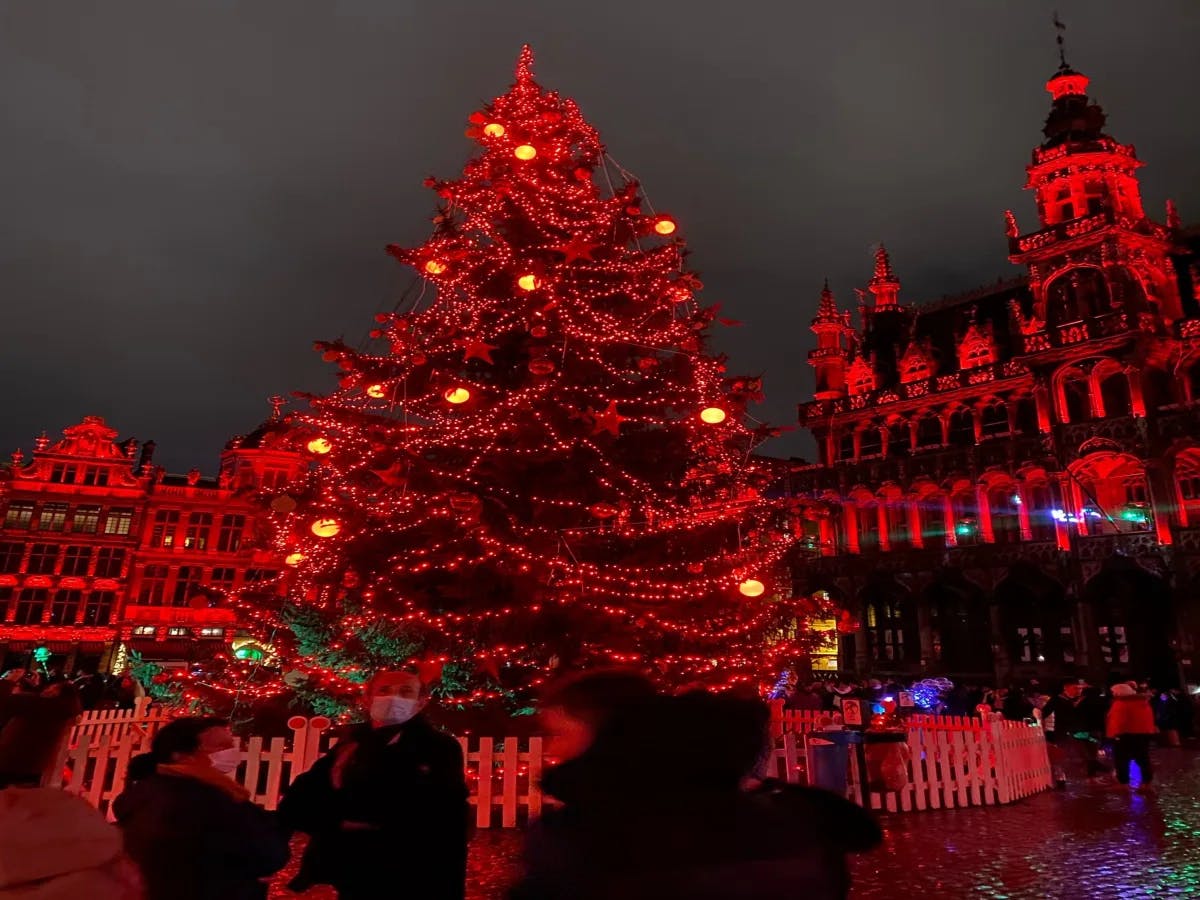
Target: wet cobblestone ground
x,y
1086,843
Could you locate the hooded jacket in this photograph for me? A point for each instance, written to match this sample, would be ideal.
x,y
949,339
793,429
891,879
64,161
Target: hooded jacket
x,y
1130,715
56,847
653,809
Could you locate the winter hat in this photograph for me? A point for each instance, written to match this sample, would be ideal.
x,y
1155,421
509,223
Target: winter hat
x,y
1123,690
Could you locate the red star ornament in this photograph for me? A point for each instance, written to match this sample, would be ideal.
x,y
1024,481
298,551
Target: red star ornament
x,y
577,247
477,349
608,420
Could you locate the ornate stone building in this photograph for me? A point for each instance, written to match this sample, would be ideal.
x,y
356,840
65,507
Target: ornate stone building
x,y
102,552
1009,480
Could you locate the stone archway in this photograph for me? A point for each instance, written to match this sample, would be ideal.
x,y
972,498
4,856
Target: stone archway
x,y
1035,621
1132,625
890,624
959,623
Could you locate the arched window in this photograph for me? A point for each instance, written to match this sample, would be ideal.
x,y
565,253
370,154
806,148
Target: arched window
x,y
1026,415
846,446
1039,498
1077,397
891,624
1187,483
929,431
962,428
868,526
1115,498
899,439
1114,394
1193,382
870,441
1076,295
1006,514
1157,388
966,516
931,511
898,536
993,419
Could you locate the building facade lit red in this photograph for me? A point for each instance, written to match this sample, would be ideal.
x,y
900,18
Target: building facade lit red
x,y
1009,480
102,552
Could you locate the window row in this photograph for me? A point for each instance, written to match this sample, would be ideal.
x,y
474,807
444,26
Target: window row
x,y
26,515
196,531
1009,515
186,585
962,428
36,606
18,557
70,473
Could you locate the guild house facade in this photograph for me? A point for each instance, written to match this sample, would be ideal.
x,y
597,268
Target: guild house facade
x,y
1008,481
103,552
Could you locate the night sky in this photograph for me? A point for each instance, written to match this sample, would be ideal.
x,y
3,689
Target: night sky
x,y
191,193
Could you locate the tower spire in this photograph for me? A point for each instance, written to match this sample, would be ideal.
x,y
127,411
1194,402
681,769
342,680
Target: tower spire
x,y
1061,30
884,284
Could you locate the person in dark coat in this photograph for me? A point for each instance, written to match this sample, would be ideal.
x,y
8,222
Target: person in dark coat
x,y
33,728
654,808
387,806
1078,723
192,829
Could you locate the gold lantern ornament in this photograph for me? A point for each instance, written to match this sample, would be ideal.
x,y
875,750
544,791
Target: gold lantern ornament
x,y
376,391
525,152
712,415
664,225
494,130
435,266
319,446
752,587
326,527
457,395
294,559
529,282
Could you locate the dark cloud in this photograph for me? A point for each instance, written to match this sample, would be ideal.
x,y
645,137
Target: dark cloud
x,y
192,192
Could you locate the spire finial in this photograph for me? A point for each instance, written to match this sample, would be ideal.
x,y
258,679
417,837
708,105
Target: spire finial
x,y
1061,30
883,266
525,65
827,308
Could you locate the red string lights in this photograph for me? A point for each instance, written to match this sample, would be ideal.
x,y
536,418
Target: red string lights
x,y
542,467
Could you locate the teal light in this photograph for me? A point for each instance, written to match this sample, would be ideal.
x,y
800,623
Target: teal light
x,y
41,655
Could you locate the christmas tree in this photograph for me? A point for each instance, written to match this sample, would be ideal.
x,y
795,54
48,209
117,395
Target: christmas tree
x,y
536,464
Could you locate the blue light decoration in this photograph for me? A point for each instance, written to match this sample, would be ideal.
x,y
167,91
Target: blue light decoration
x,y
928,693
779,692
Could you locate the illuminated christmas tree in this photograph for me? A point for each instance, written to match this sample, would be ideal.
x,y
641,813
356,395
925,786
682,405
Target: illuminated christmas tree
x,y
536,464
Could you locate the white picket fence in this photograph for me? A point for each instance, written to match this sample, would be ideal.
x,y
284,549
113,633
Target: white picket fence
x,y
952,762
503,774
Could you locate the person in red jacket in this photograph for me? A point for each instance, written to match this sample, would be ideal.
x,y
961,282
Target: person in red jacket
x,y
1131,725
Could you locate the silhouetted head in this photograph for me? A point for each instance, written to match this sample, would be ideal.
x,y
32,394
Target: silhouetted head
x,y
574,709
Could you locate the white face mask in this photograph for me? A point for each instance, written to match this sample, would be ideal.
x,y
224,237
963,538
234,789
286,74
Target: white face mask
x,y
393,710
226,761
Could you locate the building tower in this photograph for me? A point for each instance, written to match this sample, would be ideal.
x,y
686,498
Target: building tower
x,y
834,338
1096,253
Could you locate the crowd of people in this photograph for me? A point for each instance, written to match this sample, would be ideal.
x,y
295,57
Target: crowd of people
x,y
652,796
1094,733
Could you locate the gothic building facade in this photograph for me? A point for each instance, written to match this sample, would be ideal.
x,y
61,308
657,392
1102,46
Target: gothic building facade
x,y
103,552
1009,481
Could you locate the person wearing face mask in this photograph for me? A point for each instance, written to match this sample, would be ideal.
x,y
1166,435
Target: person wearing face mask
x,y
189,826
387,806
